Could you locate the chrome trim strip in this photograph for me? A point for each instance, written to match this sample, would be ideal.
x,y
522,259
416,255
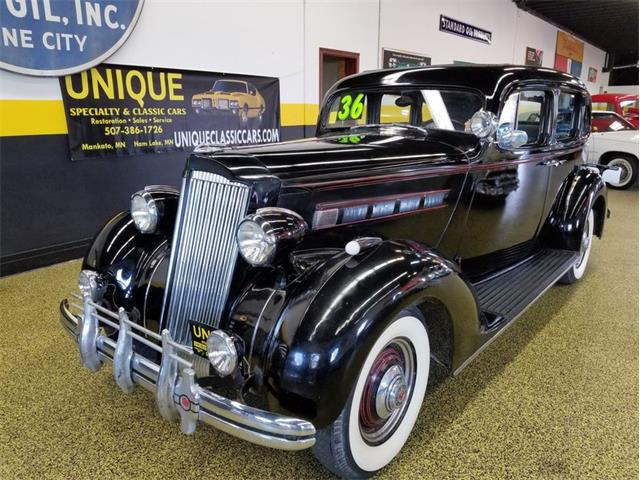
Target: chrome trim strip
x,y
183,397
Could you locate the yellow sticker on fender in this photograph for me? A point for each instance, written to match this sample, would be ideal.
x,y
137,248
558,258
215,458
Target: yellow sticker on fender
x,y
199,334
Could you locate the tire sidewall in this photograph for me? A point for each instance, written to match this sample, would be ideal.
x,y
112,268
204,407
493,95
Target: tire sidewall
x,y
579,270
366,458
632,167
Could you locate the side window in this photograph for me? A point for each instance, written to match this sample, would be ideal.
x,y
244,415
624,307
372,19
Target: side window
x,y
523,115
395,109
604,106
566,118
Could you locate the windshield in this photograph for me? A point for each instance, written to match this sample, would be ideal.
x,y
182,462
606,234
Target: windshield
x,y
609,122
229,86
423,108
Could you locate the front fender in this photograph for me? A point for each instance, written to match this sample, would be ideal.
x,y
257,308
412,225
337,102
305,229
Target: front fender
x,y
337,312
582,190
130,260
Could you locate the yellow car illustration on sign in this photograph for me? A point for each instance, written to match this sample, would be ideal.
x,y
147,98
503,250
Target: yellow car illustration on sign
x,y
237,97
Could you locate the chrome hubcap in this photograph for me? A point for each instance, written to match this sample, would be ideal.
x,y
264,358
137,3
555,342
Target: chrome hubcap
x,y
387,391
392,392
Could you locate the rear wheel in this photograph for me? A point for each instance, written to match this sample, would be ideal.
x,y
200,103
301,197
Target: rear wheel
x,y
576,272
628,170
384,405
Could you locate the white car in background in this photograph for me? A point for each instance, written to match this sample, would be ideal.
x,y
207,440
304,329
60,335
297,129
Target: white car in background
x,y
614,142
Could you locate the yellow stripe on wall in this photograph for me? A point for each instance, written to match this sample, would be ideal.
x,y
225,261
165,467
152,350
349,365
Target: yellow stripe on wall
x,y
46,117
295,114
32,117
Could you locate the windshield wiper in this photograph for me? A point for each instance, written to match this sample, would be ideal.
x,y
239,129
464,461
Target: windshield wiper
x,y
395,124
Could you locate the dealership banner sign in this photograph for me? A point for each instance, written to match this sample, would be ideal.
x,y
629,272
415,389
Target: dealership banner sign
x,y
59,37
114,110
462,29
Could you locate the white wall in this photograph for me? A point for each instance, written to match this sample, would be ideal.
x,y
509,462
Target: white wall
x,y
281,38
623,89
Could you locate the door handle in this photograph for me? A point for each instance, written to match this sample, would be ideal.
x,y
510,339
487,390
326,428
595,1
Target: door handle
x,y
552,163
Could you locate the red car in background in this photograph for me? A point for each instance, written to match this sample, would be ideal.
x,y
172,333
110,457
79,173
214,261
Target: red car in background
x,y
623,103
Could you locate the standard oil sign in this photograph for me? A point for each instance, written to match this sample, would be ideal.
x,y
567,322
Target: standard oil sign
x,y
58,37
463,29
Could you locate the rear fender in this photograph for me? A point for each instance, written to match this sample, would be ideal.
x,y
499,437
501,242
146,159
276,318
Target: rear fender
x,y
582,190
337,311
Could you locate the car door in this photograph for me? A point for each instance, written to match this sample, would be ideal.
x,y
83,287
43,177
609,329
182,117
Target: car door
x,y
509,187
570,129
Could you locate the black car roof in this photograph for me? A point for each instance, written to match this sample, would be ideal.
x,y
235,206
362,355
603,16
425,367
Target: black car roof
x,y
488,79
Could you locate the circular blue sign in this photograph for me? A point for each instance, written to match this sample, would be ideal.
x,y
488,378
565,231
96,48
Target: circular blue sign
x,y
59,37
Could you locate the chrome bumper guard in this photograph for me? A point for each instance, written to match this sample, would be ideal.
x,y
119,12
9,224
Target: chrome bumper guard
x,y
178,394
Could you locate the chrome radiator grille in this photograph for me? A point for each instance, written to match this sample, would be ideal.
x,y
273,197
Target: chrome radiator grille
x,y
203,252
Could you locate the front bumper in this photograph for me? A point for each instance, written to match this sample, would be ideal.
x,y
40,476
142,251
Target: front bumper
x,y
178,394
221,107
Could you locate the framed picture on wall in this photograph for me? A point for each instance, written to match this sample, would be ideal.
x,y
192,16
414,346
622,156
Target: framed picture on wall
x,y
401,59
533,57
593,75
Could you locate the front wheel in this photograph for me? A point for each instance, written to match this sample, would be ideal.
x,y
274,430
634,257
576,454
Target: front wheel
x,y
576,272
628,170
384,404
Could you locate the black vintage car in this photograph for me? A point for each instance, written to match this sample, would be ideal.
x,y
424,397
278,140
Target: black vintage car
x,y
305,294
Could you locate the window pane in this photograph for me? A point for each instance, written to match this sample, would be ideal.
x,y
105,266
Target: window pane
x,y
627,104
603,106
566,118
523,112
394,109
348,110
530,111
431,108
448,109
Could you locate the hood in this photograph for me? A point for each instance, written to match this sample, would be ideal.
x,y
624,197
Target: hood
x,y
371,151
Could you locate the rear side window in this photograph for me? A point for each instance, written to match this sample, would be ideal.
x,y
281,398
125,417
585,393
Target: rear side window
x,y
567,116
524,112
604,106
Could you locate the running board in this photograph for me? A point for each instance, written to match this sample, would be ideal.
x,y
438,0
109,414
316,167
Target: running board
x,y
504,296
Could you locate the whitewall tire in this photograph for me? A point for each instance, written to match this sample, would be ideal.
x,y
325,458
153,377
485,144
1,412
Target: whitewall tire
x,y
576,272
628,170
384,404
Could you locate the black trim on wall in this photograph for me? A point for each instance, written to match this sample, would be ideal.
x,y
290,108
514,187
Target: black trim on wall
x,y
52,207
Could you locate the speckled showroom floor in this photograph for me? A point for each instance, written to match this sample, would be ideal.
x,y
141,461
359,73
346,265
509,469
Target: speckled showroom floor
x,y
555,397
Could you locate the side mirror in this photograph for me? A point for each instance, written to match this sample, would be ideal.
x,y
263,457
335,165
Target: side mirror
x,y
509,138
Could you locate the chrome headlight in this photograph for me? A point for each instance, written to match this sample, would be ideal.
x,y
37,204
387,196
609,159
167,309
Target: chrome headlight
x,y
144,212
92,284
483,124
255,243
222,352
261,233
